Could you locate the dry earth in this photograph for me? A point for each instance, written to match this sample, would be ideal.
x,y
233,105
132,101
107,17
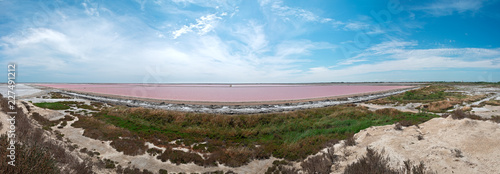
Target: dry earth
x,y
5,123
448,145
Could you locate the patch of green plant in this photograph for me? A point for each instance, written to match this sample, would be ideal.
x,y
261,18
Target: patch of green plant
x,y
53,106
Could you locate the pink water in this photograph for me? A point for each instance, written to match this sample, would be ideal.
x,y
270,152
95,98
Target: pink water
x,y
224,93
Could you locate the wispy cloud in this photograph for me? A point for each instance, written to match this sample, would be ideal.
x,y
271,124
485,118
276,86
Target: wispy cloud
x,y
202,26
291,13
449,7
399,56
91,8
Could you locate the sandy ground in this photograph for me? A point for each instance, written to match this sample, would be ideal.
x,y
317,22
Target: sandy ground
x,y
487,111
21,90
5,123
442,137
410,107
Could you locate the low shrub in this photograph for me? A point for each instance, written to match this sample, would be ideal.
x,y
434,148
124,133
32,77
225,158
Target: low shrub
x,y
374,163
29,159
320,163
350,140
180,157
388,111
154,151
129,146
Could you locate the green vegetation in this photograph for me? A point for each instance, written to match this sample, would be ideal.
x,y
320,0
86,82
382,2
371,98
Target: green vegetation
x,y
57,95
425,94
236,139
434,97
53,106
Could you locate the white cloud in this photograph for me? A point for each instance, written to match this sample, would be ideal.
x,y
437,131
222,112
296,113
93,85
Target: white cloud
x,y
356,26
109,51
400,58
203,25
448,7
91,8
253,36
278,8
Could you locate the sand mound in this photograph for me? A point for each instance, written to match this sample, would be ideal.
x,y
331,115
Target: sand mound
x,y
443,144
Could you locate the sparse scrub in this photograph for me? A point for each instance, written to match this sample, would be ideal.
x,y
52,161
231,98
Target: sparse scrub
x,y
374,163
350,141
398,126
491,102
495,119
388,111
109,164
435,97
129,146
440,106
457,153
234,140
35,153
420,137
154,151
57,95
460,114
180,157
320,163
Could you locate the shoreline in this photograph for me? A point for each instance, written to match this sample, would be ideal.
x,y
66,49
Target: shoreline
x,y
233,107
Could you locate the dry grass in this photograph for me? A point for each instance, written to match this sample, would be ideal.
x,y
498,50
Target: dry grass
x,y
492,102
440,106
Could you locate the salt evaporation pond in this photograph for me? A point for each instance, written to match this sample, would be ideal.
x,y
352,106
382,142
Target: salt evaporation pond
x,y
225,93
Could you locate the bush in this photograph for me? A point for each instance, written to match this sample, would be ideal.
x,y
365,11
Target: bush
x,y
350,141
129,146
398,126
163,171
180,157
460,114
375,163
320,163
29,159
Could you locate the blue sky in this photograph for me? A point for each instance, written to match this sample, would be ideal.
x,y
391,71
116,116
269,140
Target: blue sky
x,y
176,41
